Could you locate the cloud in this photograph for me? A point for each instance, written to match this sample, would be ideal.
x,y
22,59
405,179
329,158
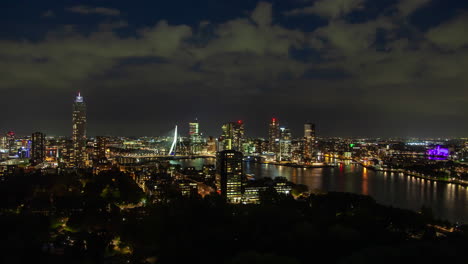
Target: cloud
x,y
329,8
347,39
407,7
66,57
450,35
251,55
257,36
262,15
85,10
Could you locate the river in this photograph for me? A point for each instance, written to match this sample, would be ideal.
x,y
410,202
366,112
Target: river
x,y
448,201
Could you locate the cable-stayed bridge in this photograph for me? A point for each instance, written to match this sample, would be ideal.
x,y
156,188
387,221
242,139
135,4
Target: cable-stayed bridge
x,y
177,150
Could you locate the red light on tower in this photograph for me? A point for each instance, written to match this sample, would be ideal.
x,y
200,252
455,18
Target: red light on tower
x,y
273,120
11,133
239,121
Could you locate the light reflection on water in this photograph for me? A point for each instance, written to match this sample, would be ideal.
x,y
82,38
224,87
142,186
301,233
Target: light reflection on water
x,y
448,201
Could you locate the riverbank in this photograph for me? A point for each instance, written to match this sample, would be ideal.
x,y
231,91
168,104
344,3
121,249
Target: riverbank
x,y
417,175
448,201
371,167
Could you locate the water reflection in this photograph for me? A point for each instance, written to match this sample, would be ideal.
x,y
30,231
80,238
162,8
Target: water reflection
x,y
365,184
448,201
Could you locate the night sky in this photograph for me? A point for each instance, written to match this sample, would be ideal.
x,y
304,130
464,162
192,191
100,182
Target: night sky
x,y
354,67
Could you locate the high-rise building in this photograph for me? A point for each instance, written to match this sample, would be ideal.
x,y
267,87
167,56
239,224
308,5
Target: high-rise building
x,y
230,175
258,145
239,133
274,135
100,148
78,157
193,130
309,131
38,148
309,140
11,144
227,136
195,137
3,142
285,147
211,145
233,135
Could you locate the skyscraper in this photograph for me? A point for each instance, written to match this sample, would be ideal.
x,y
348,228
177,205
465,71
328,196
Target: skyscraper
x,y
38,148
274,135
309,140
11,144
193,130
211,144
285,147
100,148
239,139
230,175
309,131
78,157
195,137
227,136
233,135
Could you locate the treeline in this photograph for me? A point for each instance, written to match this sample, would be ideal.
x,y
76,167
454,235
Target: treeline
x,y
100,227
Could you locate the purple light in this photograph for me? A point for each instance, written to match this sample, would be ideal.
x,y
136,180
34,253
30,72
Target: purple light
x,y
437,158
438,151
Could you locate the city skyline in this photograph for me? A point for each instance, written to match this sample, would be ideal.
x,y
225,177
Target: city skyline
x,y
245,131
298,129
369,68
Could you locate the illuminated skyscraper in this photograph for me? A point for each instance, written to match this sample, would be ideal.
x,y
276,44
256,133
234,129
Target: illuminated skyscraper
x,y
230,175
211,145
309,131
285,147
227,136
38,148
3,142
195,137
11,144
193,130
100,148
274,135
309,140
78,155
239,139
233,135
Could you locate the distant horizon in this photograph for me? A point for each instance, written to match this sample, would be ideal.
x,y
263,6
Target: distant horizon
x,y
169,134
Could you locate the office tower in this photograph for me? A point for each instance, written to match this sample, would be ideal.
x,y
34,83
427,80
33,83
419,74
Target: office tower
x,y
285,133
233,135
227,136
195,137
211,145
230,175
193,130
238,139
3,142
274,135
285,147
38,148
309,131
78,155
11,144
309,140
100,148
258,145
